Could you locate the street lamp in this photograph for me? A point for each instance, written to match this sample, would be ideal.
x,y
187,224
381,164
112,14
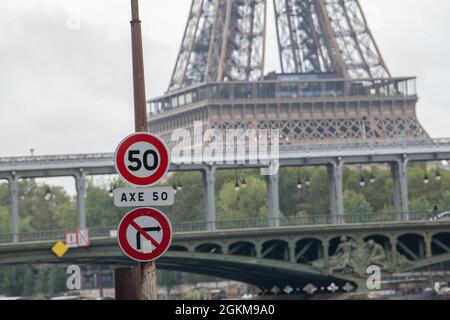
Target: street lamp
x,y
179,186
48,193
236,186
175,189
308,181
372,178
244,183
299,183
426,180
438,176
362,182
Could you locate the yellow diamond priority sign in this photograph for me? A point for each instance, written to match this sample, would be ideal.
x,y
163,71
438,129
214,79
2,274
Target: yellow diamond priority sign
x,y
60,249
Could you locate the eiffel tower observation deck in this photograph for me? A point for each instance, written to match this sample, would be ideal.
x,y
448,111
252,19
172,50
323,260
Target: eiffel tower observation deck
x,y
334,85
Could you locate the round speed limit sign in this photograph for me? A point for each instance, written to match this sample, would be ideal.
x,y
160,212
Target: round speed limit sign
x,y
142,159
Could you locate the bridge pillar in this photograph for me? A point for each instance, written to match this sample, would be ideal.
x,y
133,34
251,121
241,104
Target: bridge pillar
x,y
273,200
335,184
326,248
403,173
395,172
292,256
14,194
393,240
428,243
258,248
81,204
209,185
332,193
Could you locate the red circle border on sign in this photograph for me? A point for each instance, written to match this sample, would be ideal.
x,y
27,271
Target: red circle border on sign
x,y
166,229
142,137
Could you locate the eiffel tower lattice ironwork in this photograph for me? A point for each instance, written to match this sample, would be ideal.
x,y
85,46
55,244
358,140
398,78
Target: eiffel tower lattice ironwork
x,y
334,83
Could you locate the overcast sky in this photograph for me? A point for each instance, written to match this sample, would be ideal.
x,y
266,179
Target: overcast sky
x,y
67,88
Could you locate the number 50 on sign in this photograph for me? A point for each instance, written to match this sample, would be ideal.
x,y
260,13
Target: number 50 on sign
x,y
142,159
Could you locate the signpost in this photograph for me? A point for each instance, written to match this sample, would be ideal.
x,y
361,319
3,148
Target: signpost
x,y
142,159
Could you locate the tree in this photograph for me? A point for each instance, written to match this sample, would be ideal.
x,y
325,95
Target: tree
x,y
100,208
5,220
420,205
42,280
11,280
355,203
189,202
248,202
57,279
444,204
28,282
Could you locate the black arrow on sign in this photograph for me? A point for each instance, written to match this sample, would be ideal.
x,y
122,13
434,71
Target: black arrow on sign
x,y
138,235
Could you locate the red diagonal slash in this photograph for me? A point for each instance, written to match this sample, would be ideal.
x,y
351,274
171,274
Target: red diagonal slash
x,y
144,233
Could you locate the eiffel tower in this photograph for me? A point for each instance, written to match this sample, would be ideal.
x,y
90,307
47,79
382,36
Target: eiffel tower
x,y
334,84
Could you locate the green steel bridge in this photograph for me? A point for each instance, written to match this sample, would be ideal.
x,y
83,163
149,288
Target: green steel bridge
x,y
254,252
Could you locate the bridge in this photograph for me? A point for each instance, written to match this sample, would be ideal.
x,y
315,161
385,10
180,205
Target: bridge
x,y
398,154
296,253
277,251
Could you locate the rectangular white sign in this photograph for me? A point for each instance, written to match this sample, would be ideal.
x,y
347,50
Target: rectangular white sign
x,y
142,197
72,239
83,238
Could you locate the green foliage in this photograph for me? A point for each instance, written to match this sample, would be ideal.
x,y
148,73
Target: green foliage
x,y
247,203
5,221
100,209
189,203
12,280
355,203
42,280
444,203
28,282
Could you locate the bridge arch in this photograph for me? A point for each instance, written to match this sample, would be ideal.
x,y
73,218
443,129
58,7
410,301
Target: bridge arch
x,y
308,250
209,248
440,243
242,248
411,245
178,248
276,250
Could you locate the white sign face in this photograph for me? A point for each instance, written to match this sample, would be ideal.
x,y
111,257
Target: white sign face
x,y
78,239
72,239
143,197
83,238
113,233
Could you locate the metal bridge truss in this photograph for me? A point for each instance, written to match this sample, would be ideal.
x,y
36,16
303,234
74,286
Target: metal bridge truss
x,y
273,257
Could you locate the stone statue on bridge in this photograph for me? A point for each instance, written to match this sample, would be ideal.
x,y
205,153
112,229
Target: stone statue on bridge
x,y
341,260
354,257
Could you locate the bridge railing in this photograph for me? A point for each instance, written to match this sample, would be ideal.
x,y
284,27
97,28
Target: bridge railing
x,y
202,226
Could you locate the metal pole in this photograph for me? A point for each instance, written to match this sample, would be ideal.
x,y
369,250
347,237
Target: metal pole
x,y
209,181
140,110
81,203
148,269
15,219
273,200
